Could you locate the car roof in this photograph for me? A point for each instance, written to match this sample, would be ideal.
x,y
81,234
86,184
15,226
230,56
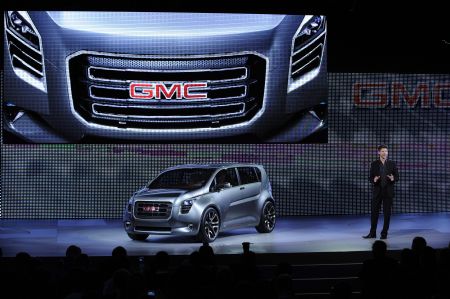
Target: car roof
x,y
214,165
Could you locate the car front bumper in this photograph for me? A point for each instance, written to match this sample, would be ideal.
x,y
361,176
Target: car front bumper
x,y
175,224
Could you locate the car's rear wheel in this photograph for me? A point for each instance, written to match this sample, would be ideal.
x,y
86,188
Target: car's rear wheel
x,y
209,226
138,237
268,218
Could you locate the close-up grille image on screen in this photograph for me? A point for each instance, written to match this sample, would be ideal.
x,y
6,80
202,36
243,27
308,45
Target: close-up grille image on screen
x,y
234,94
132,77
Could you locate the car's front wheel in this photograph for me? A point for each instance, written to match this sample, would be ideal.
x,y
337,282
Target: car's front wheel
x,y
268,218
209,226
138,237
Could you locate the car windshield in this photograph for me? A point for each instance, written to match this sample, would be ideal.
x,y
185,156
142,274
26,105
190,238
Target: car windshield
x,y
184,178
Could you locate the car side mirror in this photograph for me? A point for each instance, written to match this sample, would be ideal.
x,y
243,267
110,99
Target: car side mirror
x,y
222,186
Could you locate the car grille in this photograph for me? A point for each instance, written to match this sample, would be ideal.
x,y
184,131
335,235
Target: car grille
x,y
100,90
307,55
152,210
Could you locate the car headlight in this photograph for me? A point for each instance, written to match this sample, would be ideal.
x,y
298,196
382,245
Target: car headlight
x,y
188,202
308,46
25,48
19,23
130,205
309,30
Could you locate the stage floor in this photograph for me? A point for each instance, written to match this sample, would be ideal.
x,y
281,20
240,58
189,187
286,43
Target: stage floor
x,y
291,235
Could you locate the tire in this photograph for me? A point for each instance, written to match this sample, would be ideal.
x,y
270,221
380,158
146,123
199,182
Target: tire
x,y
138,237
209,226
268,218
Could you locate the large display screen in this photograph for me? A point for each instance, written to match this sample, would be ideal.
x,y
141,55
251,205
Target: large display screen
x,y
120,77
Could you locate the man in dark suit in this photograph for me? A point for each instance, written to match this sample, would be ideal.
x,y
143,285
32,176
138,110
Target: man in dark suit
x,y
383,176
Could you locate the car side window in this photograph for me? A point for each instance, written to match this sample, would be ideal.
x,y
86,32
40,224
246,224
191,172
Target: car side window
x,y
226,176
258,173
233,177
247,175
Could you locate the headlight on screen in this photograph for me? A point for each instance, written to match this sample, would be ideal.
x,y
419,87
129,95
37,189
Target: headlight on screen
x,y
308,46
25,48
309,31
20,24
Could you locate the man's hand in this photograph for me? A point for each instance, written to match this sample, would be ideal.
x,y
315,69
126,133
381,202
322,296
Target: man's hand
x,y
375,179
391,177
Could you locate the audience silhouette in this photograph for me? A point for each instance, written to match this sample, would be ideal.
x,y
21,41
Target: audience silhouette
x,y
422,272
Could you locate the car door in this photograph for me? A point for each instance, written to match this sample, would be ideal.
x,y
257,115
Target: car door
x,y
224,197
245,206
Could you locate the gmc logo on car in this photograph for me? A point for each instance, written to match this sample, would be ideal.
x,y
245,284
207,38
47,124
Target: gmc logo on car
x,y
151,209
159,90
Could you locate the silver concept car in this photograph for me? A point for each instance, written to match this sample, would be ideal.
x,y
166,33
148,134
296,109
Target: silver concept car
x,y
84,76
201,201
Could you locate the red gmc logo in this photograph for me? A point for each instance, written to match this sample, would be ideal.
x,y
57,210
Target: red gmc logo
x,y
159,90
151,209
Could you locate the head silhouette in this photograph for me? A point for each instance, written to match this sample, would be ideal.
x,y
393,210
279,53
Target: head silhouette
x,y
73,251
119,252
418,244
379,249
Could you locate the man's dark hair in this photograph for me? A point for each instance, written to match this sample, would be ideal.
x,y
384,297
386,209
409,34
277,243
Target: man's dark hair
x,y
380,147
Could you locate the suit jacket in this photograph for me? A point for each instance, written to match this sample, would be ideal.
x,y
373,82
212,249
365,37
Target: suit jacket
x,y
391,168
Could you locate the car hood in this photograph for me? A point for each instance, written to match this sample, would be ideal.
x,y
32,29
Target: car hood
x,y
165,24
159,194
175,196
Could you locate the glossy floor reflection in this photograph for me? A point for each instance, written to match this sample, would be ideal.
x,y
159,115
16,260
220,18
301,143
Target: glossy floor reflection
x,y
292,234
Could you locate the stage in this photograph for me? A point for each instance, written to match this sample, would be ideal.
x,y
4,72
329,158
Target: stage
x,y
98,237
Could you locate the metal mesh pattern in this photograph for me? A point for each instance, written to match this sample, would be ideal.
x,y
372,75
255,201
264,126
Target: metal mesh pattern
x,y
155,63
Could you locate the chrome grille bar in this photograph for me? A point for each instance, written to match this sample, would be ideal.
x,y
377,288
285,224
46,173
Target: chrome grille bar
x,y
180,112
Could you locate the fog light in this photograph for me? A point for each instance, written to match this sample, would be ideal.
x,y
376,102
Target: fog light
x,y
127,224
190,227
12,112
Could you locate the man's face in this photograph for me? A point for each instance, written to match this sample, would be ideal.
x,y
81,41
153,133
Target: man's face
x,y
383,153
